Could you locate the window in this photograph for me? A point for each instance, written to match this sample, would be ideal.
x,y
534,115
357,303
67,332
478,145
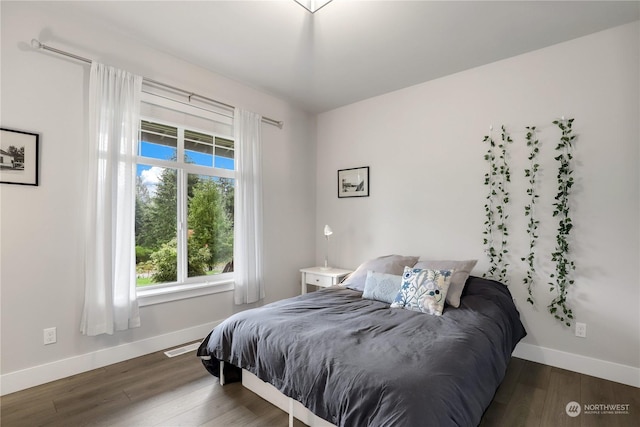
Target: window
x,y
184,206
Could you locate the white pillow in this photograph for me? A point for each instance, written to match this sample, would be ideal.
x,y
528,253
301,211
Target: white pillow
x,y
389,264
458,280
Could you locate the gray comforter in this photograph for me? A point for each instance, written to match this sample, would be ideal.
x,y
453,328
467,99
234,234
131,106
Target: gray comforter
x,y
357,362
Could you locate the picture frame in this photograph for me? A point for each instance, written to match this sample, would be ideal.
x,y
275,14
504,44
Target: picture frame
x,y
353,182
19,152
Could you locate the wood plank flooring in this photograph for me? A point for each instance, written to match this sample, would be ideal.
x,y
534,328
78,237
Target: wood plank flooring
x,y
154,390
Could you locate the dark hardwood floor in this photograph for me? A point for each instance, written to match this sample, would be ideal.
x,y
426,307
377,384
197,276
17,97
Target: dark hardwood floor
x,y
154,390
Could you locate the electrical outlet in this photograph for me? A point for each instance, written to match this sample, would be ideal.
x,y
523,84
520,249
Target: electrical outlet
x,y
581,330
50,336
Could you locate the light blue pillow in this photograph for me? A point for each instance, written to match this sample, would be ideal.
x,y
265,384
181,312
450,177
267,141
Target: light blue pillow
x,y
423,290
390,264
381,286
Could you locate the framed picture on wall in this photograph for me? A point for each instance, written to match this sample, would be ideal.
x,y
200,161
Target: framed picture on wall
x,y
353,182
18,157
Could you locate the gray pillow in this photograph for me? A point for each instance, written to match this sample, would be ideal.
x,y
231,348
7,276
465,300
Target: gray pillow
x,y
460,276
382,286
389,264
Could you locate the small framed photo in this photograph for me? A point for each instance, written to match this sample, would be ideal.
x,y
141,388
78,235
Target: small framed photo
x,y
18,157
353,182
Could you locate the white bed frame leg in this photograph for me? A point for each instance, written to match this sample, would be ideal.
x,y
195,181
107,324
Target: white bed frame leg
x,y
290,412
221,372
285,403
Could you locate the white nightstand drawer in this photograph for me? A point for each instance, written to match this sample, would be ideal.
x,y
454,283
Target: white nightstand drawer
x,y
322,277
318,280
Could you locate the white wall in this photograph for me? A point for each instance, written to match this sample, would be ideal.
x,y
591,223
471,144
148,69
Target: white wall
x,y
424,147
41,227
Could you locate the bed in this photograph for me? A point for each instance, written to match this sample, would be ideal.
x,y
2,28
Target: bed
x,y
354,361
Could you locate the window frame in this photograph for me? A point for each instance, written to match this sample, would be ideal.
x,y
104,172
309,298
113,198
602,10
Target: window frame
x,y
185,287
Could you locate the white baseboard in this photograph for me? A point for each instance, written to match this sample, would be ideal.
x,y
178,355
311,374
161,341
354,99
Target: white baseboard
x,y
41,374
611,371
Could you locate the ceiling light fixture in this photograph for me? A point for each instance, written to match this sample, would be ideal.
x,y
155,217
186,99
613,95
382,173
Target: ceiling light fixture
x,y
312,5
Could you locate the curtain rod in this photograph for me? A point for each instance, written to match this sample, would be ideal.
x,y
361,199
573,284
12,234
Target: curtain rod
x,y
35,43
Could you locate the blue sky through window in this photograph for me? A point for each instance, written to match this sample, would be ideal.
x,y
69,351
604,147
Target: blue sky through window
x,y
157,151
151,174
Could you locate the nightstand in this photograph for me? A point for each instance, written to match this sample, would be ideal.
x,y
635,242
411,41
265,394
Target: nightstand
x,y
322,277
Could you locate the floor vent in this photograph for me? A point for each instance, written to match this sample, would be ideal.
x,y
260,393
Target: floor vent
x,y
182,350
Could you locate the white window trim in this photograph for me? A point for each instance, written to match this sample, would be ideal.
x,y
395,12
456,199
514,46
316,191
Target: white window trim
x,y
196,287
151,295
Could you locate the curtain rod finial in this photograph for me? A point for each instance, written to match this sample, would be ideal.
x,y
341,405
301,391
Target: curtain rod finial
x,y
35,43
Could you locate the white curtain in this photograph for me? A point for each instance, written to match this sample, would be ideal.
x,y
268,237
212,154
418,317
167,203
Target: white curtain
x,y
247,253
110,283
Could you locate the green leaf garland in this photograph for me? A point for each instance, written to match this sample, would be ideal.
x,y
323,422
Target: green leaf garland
x,y
496,232
529,209
564,265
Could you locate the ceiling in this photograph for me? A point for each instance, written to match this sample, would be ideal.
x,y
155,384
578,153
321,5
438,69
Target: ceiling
x,y
350,50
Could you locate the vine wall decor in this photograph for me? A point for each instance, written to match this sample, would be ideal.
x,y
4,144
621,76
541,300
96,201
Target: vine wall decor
x,y
561,257
496,231
529,210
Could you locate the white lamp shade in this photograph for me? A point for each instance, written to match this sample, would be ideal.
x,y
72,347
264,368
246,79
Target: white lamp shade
x,y
327,231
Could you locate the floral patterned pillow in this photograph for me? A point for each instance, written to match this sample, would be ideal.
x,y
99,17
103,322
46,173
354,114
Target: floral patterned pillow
x,y
423,290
